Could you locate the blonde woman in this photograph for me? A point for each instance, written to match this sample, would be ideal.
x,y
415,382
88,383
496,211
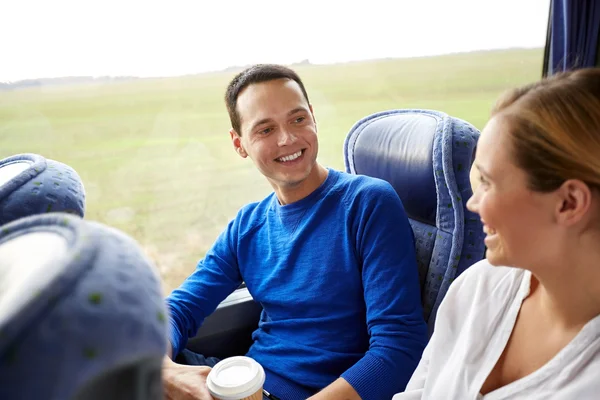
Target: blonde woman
x,y
525,322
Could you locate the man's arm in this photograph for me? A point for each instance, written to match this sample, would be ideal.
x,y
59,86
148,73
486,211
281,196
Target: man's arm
x,y
419,377
446,316
416,385
215,277
397,329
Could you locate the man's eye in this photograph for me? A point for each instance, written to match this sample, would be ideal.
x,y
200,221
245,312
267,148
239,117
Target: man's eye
x,y
265,131
299,120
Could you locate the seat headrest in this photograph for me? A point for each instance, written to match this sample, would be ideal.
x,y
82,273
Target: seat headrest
x,y
81,309
31,184
398,146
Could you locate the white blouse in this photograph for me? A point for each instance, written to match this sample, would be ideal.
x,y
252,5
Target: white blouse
x,y
473,325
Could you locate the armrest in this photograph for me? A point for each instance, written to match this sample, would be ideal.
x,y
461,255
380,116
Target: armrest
x,y
228,331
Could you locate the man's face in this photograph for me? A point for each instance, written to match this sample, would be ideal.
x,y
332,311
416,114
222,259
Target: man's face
x,y
278,131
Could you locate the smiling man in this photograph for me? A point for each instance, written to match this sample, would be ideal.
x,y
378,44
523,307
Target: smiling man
x,y
329,255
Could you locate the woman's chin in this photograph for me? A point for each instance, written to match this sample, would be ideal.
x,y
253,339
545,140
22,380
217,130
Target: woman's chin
x,y
496,258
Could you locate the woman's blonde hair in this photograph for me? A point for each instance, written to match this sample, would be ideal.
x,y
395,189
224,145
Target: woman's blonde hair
x,y
554,125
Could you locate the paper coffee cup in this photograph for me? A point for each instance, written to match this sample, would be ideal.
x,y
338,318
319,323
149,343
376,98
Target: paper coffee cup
x,y
236,378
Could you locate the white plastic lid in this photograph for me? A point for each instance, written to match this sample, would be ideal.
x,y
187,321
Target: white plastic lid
x,y
27,264
10,170
235,378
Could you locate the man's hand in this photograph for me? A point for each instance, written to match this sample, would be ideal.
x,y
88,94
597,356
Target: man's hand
x,y
185,382
340,389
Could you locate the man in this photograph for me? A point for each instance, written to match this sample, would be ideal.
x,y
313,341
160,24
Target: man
x,y
330,256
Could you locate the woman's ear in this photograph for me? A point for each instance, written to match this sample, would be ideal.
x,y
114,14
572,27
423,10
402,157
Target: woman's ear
x,y
574,202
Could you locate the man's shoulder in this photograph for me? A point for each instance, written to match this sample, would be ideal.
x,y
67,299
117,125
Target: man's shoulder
x,y
371,200
364,185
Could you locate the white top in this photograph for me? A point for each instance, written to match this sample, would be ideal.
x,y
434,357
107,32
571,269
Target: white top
x,y
473,325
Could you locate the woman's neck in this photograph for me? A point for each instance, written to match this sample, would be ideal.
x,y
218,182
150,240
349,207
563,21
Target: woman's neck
x,y
569,288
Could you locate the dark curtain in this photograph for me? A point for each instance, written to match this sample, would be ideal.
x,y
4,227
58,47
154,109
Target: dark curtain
x,y
574,28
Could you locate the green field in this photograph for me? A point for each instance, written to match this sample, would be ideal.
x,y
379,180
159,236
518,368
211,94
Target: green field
x,y
156,158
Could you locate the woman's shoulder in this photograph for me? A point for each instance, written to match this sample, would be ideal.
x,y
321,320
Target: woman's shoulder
x,y
484,272
484,281
476,301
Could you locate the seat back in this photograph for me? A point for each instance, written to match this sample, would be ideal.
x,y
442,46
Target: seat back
x,y
426,156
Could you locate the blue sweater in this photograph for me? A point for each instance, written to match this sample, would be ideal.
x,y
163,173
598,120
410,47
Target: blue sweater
x,y
337,277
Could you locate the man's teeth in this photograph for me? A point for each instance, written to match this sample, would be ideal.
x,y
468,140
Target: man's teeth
x,y
290,157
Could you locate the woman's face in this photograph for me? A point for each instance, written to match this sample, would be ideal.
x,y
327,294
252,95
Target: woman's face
x,y
518,222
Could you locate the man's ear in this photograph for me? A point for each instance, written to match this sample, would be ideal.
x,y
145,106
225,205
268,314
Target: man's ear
x,y
575,201
237,143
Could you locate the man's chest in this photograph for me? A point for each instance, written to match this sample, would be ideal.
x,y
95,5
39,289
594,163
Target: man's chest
x,y
312,271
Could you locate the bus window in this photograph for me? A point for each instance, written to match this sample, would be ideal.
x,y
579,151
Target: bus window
x,y
130,94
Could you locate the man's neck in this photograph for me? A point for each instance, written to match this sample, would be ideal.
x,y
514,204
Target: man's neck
x,y
291,194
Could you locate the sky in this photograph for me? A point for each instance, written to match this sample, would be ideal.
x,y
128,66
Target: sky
x,y
46,39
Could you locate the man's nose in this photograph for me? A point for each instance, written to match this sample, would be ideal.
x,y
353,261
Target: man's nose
x,y
286,137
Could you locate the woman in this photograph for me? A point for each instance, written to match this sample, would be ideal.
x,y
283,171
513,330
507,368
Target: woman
x,y
531,330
